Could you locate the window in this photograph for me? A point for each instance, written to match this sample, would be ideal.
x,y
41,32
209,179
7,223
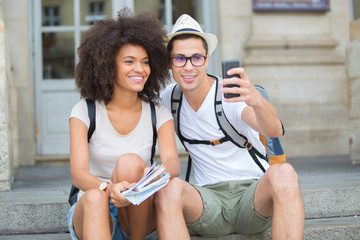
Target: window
x,y
51,16
354,9
96,12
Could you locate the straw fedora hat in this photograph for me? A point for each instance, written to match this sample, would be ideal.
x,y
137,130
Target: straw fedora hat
x,y
186,24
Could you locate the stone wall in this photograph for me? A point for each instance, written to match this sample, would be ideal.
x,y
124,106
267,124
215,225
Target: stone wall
x,y
299,57
5,112
353,72
16,17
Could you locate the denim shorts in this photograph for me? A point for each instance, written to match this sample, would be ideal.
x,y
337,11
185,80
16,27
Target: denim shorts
x,y
229,208
117,234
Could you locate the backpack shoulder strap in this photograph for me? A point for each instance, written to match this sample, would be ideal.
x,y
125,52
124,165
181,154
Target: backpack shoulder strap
x,y
228,130
92,116
176,99
153,122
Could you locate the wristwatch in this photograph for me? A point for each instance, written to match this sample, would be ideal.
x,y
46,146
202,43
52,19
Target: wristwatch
x,y
103,186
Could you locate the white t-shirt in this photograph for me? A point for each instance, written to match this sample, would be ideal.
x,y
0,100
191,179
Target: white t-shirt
x,y
223,162
106,145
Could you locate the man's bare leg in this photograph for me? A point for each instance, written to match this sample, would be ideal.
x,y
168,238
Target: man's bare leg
x,y
177,204
278,195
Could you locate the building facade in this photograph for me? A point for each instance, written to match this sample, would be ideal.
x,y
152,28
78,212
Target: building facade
x,y
297,52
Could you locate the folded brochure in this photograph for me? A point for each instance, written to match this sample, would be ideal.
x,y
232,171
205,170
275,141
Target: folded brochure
x,y
144,188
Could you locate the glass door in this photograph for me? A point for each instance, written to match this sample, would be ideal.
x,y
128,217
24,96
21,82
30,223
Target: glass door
x,y
58,27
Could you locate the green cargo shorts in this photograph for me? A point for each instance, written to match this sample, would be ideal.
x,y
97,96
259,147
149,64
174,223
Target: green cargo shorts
x,y
229,208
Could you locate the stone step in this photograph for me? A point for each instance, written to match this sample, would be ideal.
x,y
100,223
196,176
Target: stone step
x,y
38,212
46,211
44,236
331,202
344,228
37,203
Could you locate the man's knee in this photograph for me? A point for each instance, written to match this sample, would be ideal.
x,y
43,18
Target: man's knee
x,y
283,177
171,193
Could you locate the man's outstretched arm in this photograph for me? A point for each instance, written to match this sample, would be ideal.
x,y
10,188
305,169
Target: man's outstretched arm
x,y
261,115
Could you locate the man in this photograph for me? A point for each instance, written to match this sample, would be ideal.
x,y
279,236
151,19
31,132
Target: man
x,y
232,194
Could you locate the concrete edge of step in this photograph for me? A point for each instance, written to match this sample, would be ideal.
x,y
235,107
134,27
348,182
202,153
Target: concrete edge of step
x,y
325,228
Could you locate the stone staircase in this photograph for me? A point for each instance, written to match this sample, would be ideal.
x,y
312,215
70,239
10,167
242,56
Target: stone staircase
x,y
37,206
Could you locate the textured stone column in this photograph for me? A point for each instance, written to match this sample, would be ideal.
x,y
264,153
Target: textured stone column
x,y
5,125
353,72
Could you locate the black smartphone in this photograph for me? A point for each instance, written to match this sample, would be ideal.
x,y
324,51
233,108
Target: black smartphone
x,y
227,65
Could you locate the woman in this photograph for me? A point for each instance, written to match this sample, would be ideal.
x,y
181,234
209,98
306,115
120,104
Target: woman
x,y
123,64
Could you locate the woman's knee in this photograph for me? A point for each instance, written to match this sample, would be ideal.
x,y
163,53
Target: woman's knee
x,y
129,167
130,159
95,199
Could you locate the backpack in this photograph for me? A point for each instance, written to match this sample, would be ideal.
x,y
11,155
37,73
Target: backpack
x,y
274,151
92,116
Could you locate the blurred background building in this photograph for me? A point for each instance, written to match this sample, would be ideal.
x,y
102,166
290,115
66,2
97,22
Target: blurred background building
x,y
296,49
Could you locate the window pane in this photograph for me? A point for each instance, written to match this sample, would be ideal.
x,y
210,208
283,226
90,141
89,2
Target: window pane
x,y
57,12
184,6
155,6
91,11
191,7
356,7
58,55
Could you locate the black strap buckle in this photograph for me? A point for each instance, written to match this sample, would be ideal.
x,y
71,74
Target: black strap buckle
x,y
248,146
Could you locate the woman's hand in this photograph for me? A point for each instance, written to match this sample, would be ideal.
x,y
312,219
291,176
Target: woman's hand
x,y
115,194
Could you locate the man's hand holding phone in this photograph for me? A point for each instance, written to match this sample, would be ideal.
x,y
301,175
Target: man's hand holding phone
x,y
236,85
